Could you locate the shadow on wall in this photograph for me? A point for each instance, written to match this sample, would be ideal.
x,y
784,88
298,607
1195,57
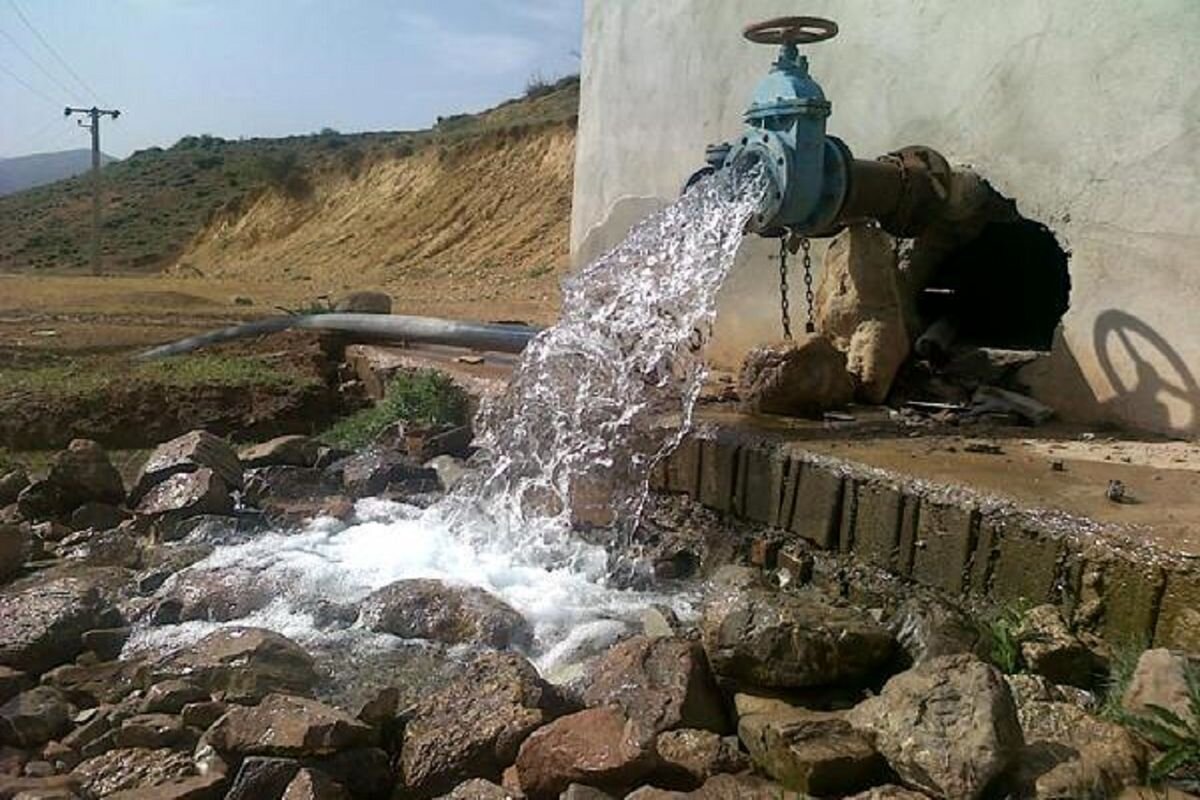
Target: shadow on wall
x,y
1159,375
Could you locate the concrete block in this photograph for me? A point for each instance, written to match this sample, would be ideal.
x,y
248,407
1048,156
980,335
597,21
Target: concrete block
x,y
910,513
1130,591
876,524
759,485
791,479
945,544
718,473
845,535
1016,562
683,468
1178,624
818,507
658,475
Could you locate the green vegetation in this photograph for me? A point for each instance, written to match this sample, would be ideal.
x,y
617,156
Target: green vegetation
x,y
1001,631
1120,671
85,377
158,199
1176,737
420,397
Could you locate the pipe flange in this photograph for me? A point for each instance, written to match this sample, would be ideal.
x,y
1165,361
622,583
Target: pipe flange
x,y
766,150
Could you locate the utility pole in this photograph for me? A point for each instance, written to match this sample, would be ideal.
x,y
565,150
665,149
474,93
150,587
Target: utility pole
x,y
94,114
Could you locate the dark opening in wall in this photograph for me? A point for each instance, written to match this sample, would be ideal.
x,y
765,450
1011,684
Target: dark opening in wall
x,y
1007,288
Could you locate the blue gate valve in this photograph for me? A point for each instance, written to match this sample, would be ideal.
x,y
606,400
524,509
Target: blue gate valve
x,y
815,185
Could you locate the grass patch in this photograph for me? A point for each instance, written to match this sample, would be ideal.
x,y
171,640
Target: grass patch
x,y
1120,671
419,397
90,377
1001,631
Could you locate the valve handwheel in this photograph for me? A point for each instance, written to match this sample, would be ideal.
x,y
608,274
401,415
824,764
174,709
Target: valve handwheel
x,y
791,30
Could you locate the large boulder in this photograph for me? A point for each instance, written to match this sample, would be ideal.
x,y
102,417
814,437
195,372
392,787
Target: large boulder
x,y
43,619
243,665
660,683
815,752
927,627
82,473
312,784
860,308
424,608
216,594
285,725
1160,679
188,453
187,494
948,726
798,639
132,768
804,378
376,470
598,747
474,726
34,717
1070,753
15,546
289,451
12,483
1049,648
688,757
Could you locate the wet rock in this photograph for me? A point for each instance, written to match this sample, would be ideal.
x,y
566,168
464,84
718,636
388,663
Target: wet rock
x,y
15,546
947,727
688,757
366,772
376,471
82,473
106,643
816,752
860,307
474,726
153,731
12,683
310,784
243,665
43,618
429,609
34,717
660,684
202,714
113,548
290,451
97,516
1070,753
216,594
1048,648
802,378
163,561
171,696
926,627
89,684
188,453
132,768
12,483
262,777
285,725
99,724
450,470
187,494
478,789
364,302
1160,679
784,639
889,792
599,747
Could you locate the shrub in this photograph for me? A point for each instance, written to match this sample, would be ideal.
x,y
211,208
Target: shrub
x,y
421,397
1178,739
283,172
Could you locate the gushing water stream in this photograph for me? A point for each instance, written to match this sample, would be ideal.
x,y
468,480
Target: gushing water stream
x,y
572,438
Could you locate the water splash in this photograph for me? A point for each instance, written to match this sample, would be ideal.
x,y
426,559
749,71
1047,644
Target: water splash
x,y
576,434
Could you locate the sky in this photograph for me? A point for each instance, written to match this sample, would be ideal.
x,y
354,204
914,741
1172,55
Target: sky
x,y
237,68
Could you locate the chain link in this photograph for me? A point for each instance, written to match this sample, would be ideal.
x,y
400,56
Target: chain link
x,y
810,326
784,310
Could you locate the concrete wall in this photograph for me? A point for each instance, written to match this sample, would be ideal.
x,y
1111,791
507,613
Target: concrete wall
x,y
1087,112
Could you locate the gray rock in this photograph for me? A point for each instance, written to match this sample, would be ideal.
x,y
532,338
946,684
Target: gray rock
x,y
106,643
889,792
15,547
288,726
82,473
375,471
188,453
187,494
132,768
450,470
172,696
947,727
364,302
97,516
805,377
262,777
216,594
291,451
153,731
34,717
12,483
312,784
814,752
111,548
12,683
660,683
243,665
474,726
429,609
478,789
1160,679
1049,648
43,619
926,627
796,640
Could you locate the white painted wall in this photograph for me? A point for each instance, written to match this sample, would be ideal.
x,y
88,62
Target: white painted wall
x,y
1085,111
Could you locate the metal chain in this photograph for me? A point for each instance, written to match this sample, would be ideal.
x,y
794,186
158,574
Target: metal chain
x,y
784,312
810,326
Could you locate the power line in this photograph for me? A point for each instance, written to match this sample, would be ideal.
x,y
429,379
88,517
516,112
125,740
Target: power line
x,y
53,79
31,88
53,52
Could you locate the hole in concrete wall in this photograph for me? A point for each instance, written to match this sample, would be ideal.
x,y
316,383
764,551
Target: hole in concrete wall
x,y
1008,287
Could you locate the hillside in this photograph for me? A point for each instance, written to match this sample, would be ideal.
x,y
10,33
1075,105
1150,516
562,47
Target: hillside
x,y
341,210
25,172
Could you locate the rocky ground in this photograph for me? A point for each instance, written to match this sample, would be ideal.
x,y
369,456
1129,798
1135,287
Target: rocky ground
x,y
803,676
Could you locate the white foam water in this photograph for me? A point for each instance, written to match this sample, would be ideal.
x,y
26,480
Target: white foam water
x,y
576,433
